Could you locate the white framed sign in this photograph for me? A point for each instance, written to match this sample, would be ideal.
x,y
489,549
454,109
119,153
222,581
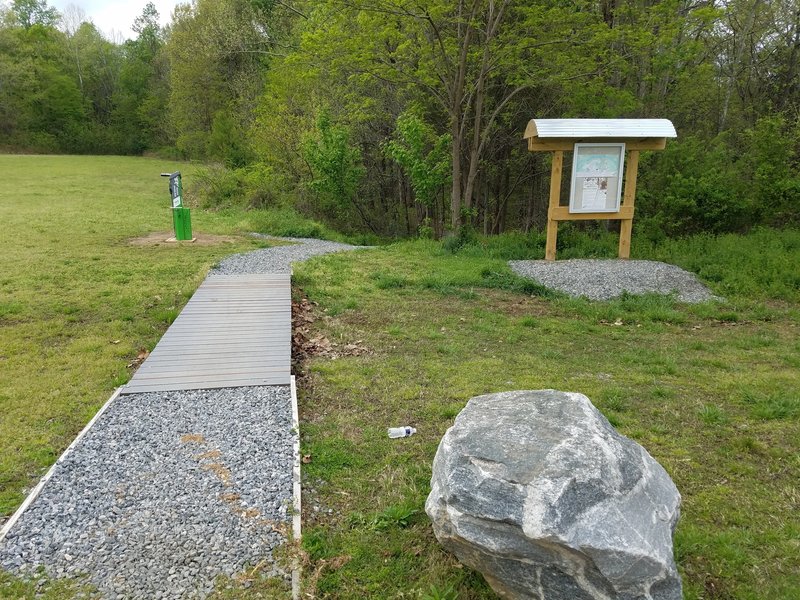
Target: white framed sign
x,y
596,177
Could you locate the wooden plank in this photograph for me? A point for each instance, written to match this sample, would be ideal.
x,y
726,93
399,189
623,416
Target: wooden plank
x,y
187,341
555,200
238,318
216,377
224,352
258,330
235,331
268,362
265,362
152,377
214,349
204,382
562,213
207,381
628,200
567,145
252,345
266,298
215,278
201,385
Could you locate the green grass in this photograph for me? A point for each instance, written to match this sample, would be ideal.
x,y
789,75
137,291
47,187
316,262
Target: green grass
x,y
77,301
710,390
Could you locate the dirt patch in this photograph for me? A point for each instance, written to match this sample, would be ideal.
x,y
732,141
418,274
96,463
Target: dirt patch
x,y
515,306
307,343
159,238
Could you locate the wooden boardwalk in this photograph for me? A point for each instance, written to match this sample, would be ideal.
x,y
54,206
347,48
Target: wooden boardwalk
x,y
235,331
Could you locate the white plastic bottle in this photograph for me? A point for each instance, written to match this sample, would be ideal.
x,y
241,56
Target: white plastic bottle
x,y
399,432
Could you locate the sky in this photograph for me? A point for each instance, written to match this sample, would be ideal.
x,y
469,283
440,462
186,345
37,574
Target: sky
x,y
114,17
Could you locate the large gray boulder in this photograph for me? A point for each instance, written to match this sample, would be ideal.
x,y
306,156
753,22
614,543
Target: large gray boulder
x,y
538,492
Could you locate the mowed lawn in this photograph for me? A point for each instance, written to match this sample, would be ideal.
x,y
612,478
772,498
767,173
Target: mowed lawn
x,y
78,302
711,391
414,331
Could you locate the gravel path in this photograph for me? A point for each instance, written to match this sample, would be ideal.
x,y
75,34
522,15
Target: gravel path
x,y
166,492
279,259
169,490
606,279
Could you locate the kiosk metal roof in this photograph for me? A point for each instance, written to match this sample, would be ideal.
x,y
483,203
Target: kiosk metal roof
x,y
599,128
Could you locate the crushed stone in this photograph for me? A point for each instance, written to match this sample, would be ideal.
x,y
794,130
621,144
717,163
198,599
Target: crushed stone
x,y
166,492
278,259
599,279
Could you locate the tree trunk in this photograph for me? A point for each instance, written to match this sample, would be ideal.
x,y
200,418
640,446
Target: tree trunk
x,y
455,194
457,116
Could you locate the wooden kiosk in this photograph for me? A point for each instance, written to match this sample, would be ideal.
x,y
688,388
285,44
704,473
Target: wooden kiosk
x,y
599,147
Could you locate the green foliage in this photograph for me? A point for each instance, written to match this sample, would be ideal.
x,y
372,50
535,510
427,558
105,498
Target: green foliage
x,y
437,593
140,99
504,279
286,222
761,264
463,238
217,187
337,169
399,515
729,184
773,406
712,414
422,154
771,160
226,142
216,52
28,13
388,281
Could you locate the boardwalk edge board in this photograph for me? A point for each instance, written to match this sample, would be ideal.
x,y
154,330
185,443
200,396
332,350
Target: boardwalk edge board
x,y
297,493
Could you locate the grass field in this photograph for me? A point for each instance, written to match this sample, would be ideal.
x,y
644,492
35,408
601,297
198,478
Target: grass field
x,y
710,390
77,301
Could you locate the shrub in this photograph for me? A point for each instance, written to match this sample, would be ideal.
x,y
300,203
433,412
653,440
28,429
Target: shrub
x,y
726,184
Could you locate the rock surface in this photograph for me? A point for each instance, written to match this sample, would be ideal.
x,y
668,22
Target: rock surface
x,y
538,492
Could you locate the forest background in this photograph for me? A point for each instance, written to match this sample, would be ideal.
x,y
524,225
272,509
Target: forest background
x,y
395,118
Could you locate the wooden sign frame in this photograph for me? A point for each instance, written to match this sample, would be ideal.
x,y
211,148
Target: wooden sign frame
x,y
556,212
563,135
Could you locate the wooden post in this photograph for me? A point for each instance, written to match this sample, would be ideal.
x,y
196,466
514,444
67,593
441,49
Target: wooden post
x,y
555,199
626,225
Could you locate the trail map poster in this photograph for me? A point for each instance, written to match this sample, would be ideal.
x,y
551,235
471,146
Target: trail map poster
x,y
596,178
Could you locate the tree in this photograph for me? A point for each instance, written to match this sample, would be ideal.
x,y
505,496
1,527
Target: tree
x,y
425,157
466,63
28,13
337,170
141,95
218,51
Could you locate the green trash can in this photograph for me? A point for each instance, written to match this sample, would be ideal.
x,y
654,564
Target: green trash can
x,y
181,217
